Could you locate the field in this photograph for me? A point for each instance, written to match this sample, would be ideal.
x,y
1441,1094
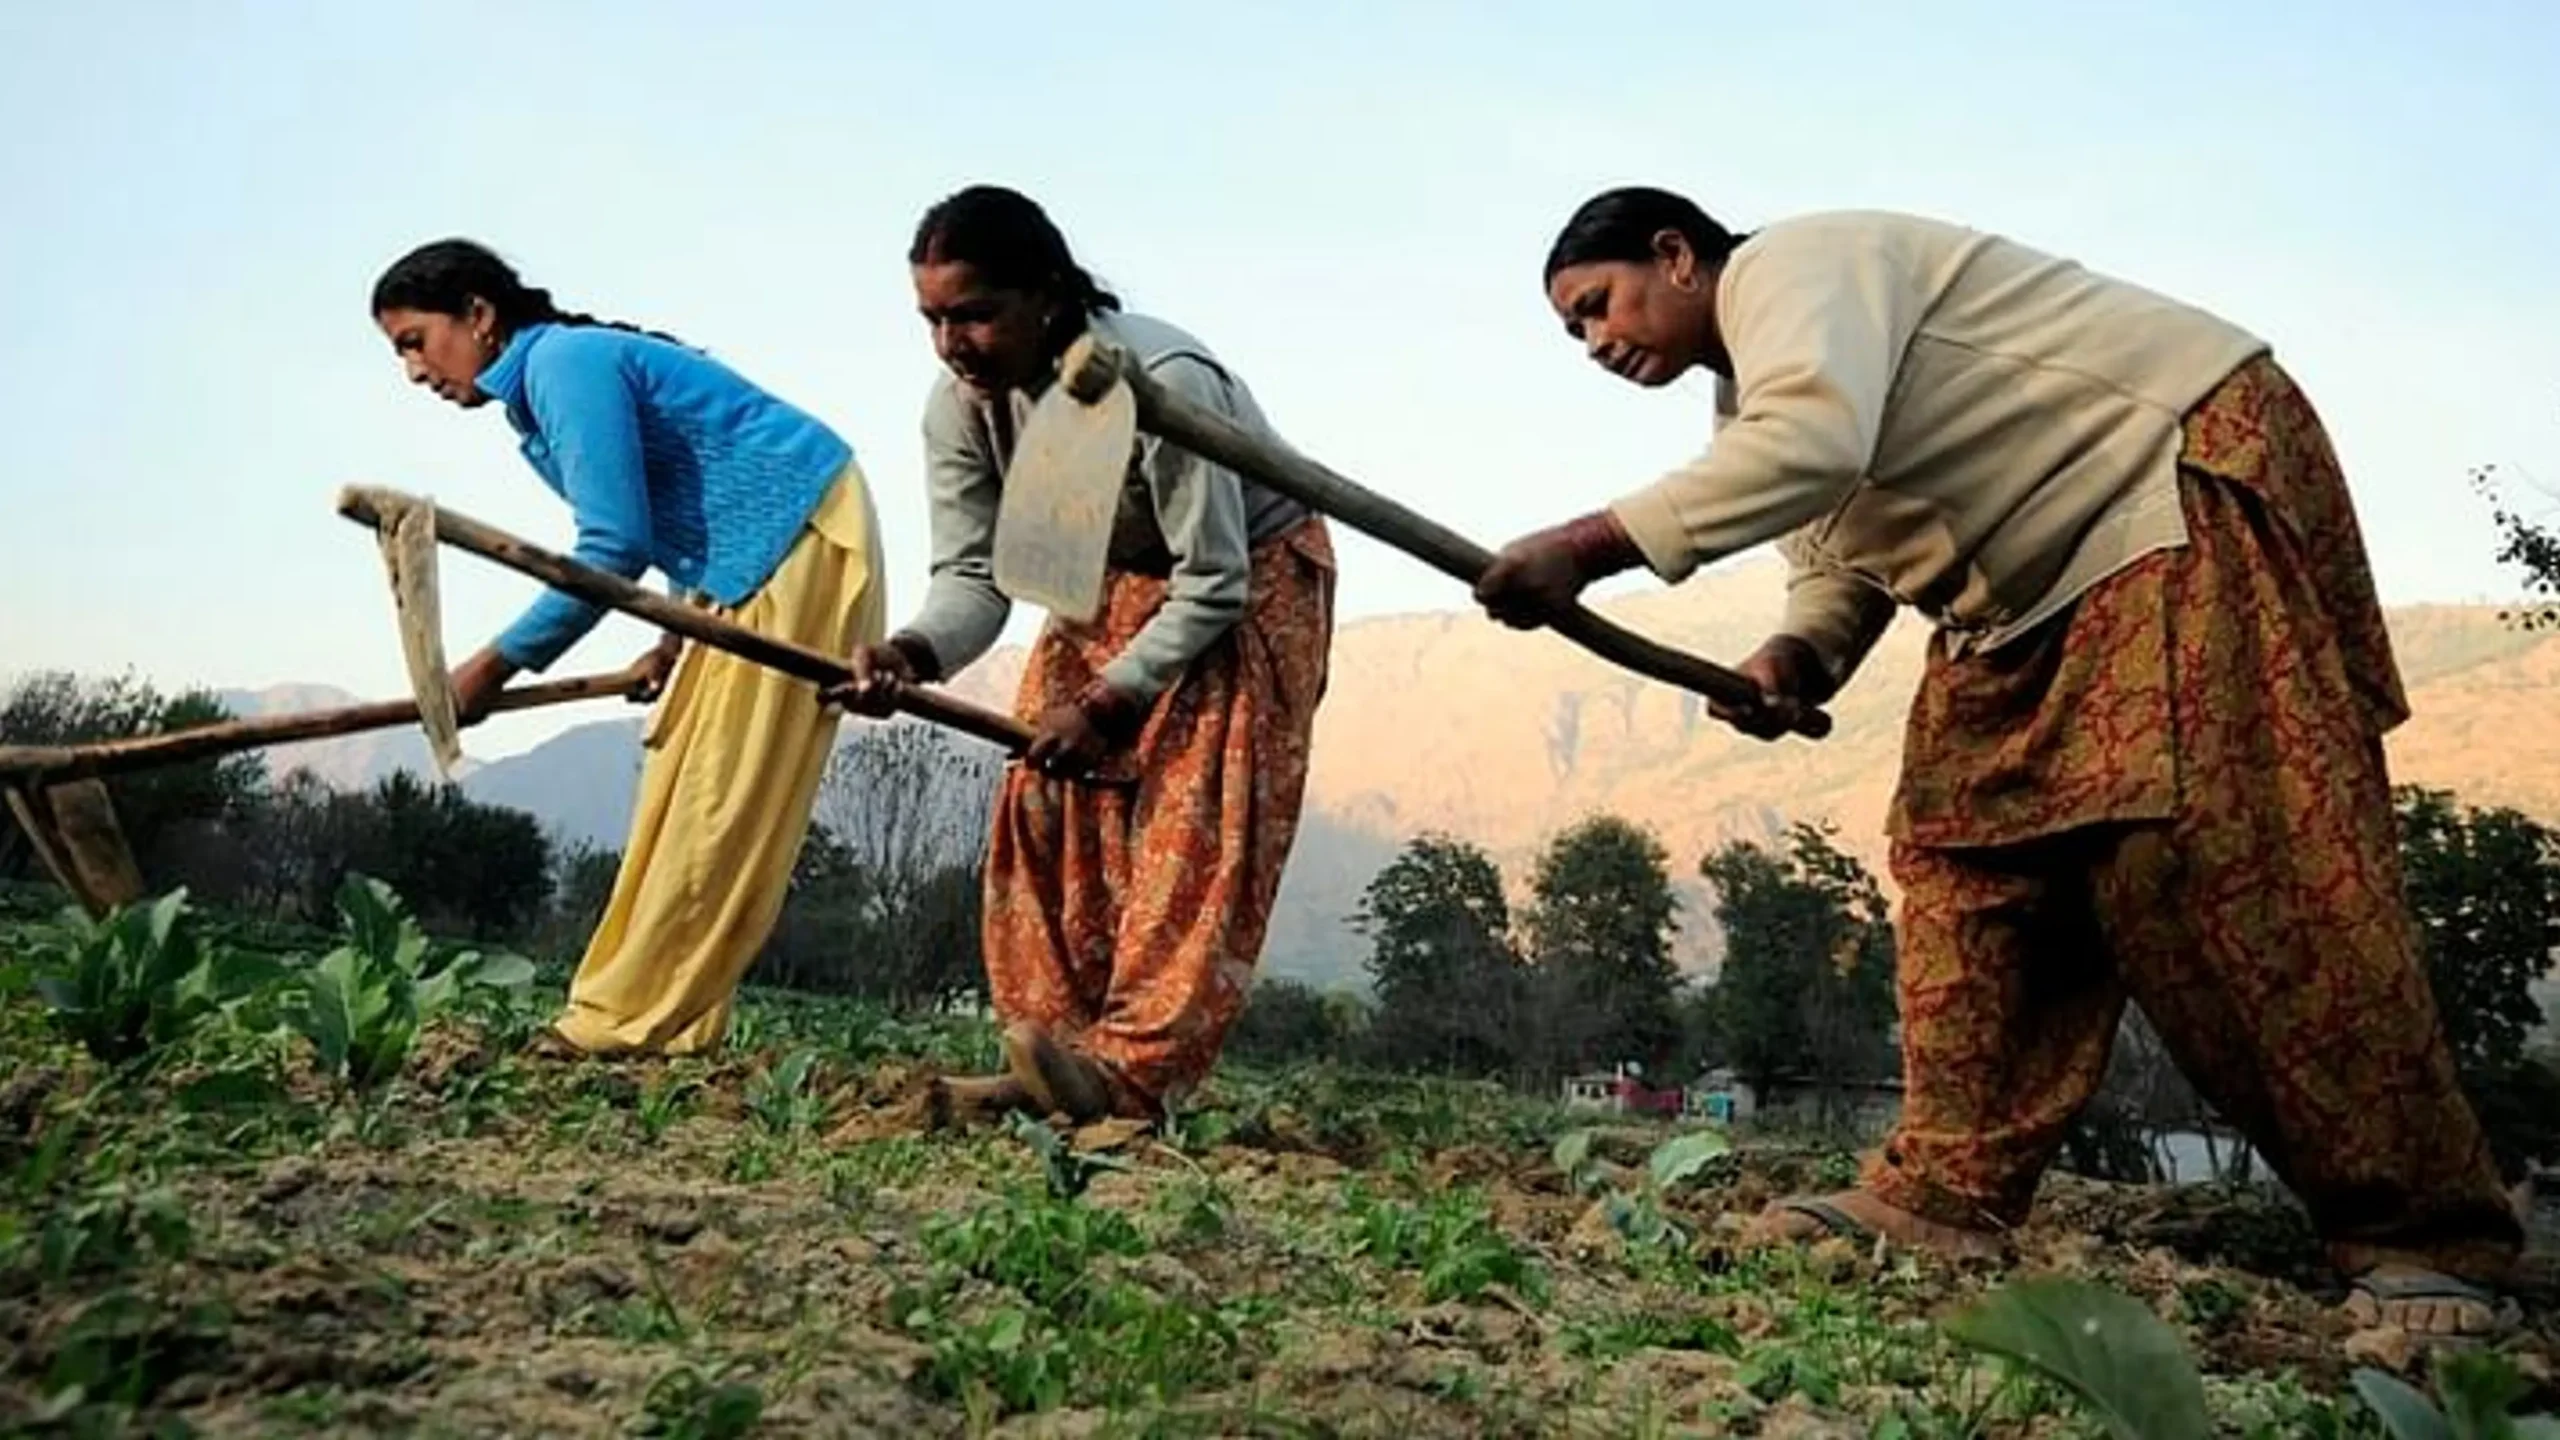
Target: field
x,y
343,1200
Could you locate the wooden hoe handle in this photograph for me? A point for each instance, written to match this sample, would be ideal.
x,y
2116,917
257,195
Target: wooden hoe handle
x,y
1087,372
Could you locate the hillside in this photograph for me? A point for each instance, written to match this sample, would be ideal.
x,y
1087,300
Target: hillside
x,y
1438,722
349,762
1446,722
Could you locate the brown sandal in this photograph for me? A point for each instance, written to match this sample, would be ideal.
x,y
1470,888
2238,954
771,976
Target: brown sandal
x,y
550,1044
2373,1296
1832,1219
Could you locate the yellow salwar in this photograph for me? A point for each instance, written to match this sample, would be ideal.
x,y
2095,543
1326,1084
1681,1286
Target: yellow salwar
x,y
734,753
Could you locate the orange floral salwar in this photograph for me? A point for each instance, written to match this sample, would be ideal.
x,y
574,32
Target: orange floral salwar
x,y
2176,793
1127,918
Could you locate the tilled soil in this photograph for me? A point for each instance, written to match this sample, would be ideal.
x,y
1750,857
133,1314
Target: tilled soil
x,y
579,1261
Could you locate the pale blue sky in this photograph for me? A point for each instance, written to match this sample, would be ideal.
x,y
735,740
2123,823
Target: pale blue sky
x,y
1348,200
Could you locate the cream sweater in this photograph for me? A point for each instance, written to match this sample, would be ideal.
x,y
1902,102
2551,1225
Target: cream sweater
x,y
1931,416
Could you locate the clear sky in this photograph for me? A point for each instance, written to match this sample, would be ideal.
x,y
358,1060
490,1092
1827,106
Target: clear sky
x,y
1348,200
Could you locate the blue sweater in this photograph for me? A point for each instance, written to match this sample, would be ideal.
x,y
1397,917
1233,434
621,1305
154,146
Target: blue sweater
x,y
666,457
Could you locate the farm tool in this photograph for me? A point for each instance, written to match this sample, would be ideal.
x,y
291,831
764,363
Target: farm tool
x,y
59,796
410,527
1063,489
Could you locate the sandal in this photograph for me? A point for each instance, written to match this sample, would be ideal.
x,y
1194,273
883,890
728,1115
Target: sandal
x,y
550,1044
1825,1211
1830,1216
2472,1313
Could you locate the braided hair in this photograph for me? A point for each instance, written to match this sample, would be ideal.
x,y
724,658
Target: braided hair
x,y
444,276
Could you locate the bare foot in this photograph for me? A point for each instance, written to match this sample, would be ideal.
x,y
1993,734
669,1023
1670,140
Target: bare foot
x,y
964,1098
1857,1215
1061,1079
2424,1303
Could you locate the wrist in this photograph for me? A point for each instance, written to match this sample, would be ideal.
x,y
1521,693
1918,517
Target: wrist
x,y
1599,544
918,653
1116,713
1807,674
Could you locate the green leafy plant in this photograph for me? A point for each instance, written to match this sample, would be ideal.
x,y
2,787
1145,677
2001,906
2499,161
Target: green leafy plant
x,y
130,985
684,1404
1452,1242
1623,1335
2129,1369
1637,1212
752,1160
783,1100
112,1226
1197,1209
2121,1361
663,1102
1025,1364
1042,1248
121,1349
366,1002
1067,1170
2478,1389
1064,1326
1676,1160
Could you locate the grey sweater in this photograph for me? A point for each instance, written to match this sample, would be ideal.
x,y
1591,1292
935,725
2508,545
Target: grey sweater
x,y
1181,516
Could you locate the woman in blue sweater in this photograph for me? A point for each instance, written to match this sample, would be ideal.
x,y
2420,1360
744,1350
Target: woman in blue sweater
x,y
668,459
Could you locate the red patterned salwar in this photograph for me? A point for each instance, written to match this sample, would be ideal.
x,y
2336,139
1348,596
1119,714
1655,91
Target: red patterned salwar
x,y
1127,920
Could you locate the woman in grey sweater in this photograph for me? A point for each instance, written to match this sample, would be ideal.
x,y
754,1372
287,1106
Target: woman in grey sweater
x,y
1122,923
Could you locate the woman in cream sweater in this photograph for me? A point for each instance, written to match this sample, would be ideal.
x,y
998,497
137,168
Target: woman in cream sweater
x,y
2145,761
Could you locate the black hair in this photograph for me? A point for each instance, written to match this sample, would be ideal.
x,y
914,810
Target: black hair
x,y
1010,241
442,276
1620,225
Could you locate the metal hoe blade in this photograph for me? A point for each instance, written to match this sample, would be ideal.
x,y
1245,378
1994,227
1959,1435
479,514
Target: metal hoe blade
x,y
408,541
1061,497
72,827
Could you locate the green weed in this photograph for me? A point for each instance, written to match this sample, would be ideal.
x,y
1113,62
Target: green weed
x,y
1451,1242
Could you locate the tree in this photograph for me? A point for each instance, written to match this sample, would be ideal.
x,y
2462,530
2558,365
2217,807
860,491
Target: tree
x,y
884,896
2483,887
466,868
2530,545
1599,929
1807,991
1702,1044
906,800
154,808
1285,1021
583,877
1440,957
288,839
480,870
2143,1097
